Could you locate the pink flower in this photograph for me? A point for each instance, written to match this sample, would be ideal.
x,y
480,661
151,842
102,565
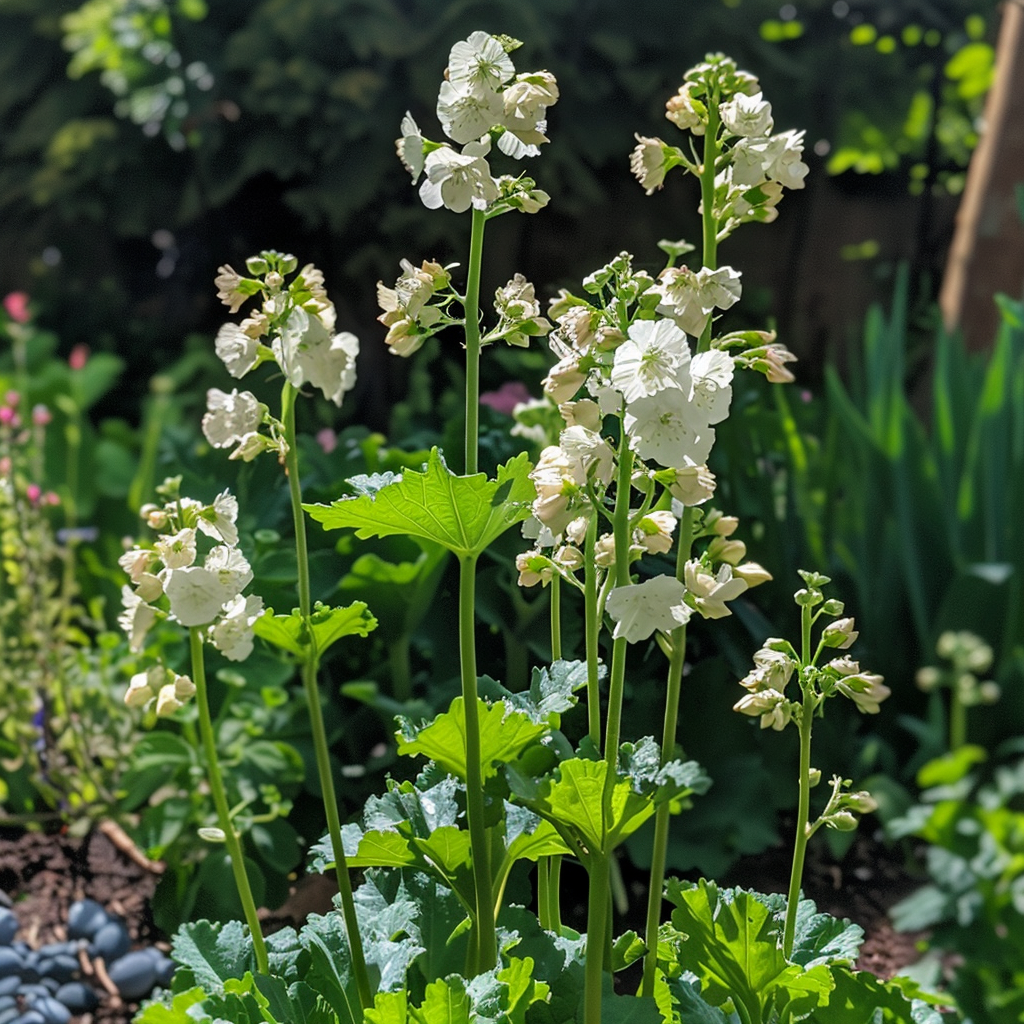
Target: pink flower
x,y
327,439
79,356
41,415
33,492
51,498
507,397
16,304
12,398
8,416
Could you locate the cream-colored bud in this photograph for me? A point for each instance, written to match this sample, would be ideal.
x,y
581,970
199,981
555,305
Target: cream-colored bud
x,y
166,701
604,551
725,526
752,573
731,552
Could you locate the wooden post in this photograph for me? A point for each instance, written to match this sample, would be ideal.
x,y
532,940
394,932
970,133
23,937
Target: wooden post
x,y
987,254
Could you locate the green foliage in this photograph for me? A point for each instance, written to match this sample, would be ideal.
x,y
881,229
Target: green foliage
x,y
971,819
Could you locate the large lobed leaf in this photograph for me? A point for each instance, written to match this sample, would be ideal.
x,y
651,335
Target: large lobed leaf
x,y
461,513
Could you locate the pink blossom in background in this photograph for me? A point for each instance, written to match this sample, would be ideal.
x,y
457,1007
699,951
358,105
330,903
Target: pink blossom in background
x,y
33,492
12,398
79,356
6,465
16,304
8,416
51,498
327,439
41,415
507,397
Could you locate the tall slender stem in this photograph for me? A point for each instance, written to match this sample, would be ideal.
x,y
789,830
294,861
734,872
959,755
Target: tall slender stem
x,y
597,926
616,684
220,801
802,815
316,719
662,817
592,630
707,197
486,937
556,617
472,309
957,720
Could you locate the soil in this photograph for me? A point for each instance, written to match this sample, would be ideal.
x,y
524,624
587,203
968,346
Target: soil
x,y
42,874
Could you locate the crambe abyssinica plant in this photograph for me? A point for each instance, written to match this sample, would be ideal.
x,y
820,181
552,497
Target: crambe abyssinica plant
x,y
643,374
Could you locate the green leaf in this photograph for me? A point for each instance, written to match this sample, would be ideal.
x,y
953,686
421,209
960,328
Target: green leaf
x,y
214,953
177,1012
627,949
446,1002
822,938
328,626
461,513
951,767
684,993
504,735
330,972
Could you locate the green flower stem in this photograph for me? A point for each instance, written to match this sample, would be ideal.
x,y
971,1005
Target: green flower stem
x,y
556,618
316,719
597,927
472,308
554,911
707,196
802,815
592,630
485,935
668,741
220,801
616,685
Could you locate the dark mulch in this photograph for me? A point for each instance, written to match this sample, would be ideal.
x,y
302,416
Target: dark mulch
x,y
42,874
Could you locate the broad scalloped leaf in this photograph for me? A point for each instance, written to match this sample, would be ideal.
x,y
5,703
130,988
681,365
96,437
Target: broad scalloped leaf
x,y
462,513
328,626
214,953
504,735
732,946
823,939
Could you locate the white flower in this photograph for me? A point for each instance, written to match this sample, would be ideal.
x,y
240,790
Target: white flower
x,y
229,418
530,95
143,686
640,608
772,706
564,379
136,562
776,158
647,162
865,689
710,593
149,587
683,110
232,633
457,181
693,484
308,354
231,568
712,384
747,115
557,478
167,701
238,350
690,297
653,357
583,413
590,450
196,594
410,147
753,573
534,567
218,520
136,618
668,429
227,281
467,115
654,532
479,64
178,550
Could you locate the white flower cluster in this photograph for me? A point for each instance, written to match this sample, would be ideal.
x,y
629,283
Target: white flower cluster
x,y
173,579
753,166
482,100
294,327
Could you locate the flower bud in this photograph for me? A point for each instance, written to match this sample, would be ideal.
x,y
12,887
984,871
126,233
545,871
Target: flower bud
x,y
211,834
139,691
725,526
989,692
862,802
752,573
814,777
928,678
833,607
256,265
840,634
730,551
604,551
807,598
166,701
842,821
184,688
